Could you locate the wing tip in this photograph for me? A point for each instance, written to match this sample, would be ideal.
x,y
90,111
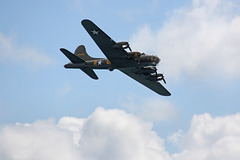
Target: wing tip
x,y
85,21
165,94
169,94
62,49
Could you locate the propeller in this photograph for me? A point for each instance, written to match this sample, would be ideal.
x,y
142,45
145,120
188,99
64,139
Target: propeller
x,y
161,77
128,46
123,45
164,79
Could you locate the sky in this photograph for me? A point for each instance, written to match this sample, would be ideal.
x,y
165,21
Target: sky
x,y
49,112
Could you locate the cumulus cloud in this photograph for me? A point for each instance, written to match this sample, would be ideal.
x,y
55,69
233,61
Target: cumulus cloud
x,y
211,138
115,134
201,40
104,135
12,52
39,140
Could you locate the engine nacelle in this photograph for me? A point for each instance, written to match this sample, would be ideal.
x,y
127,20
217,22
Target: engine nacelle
x,y
156,77
123,45
146,71
150,70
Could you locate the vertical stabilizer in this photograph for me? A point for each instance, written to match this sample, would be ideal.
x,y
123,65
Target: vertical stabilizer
x,y
81,53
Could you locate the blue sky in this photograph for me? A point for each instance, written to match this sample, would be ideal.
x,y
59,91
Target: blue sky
x,y
196,40
45,27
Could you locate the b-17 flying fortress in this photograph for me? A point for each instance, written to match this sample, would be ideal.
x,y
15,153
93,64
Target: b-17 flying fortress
x,y
136,65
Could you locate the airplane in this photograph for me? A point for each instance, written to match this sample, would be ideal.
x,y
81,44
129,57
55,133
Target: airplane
x,y
139,66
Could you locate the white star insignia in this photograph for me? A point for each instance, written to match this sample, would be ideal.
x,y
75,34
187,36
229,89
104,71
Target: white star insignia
x,y
99,62
95,32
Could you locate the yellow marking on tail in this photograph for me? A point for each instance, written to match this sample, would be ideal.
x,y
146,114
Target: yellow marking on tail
x,y
81,54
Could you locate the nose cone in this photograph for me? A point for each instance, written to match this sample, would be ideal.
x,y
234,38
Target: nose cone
x,y
157,60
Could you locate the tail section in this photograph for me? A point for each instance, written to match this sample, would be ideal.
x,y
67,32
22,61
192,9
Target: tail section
x,y
90,73
82,54
75,59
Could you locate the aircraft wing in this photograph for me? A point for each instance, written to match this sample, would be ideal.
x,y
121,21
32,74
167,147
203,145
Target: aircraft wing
x,y
143,79
105,43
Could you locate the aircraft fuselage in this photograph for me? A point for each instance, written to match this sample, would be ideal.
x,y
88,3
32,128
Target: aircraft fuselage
x,y
103,63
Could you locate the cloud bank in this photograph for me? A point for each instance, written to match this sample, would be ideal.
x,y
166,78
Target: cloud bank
x,y
201,40
211,138
115,134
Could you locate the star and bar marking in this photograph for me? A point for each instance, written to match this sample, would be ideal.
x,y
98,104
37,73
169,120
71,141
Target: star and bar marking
x,y
95,32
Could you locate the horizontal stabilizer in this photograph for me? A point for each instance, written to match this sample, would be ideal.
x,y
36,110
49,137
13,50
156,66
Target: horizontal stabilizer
x,y
73,58
90,73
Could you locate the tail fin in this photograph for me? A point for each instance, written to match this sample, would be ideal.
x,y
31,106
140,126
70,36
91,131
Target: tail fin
x,y
75,59
81,53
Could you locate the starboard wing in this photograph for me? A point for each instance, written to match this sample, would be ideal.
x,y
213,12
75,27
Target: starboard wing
x,y
143,79
105,43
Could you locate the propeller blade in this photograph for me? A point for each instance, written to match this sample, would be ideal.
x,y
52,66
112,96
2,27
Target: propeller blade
x,y
130,49
128,46
164,80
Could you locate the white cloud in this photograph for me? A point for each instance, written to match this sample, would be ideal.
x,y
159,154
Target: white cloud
x,y
114,134
39,140
104,135
201,40
176,137
12,52
211,138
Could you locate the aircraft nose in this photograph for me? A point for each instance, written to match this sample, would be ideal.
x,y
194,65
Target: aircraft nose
x,y
157,60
